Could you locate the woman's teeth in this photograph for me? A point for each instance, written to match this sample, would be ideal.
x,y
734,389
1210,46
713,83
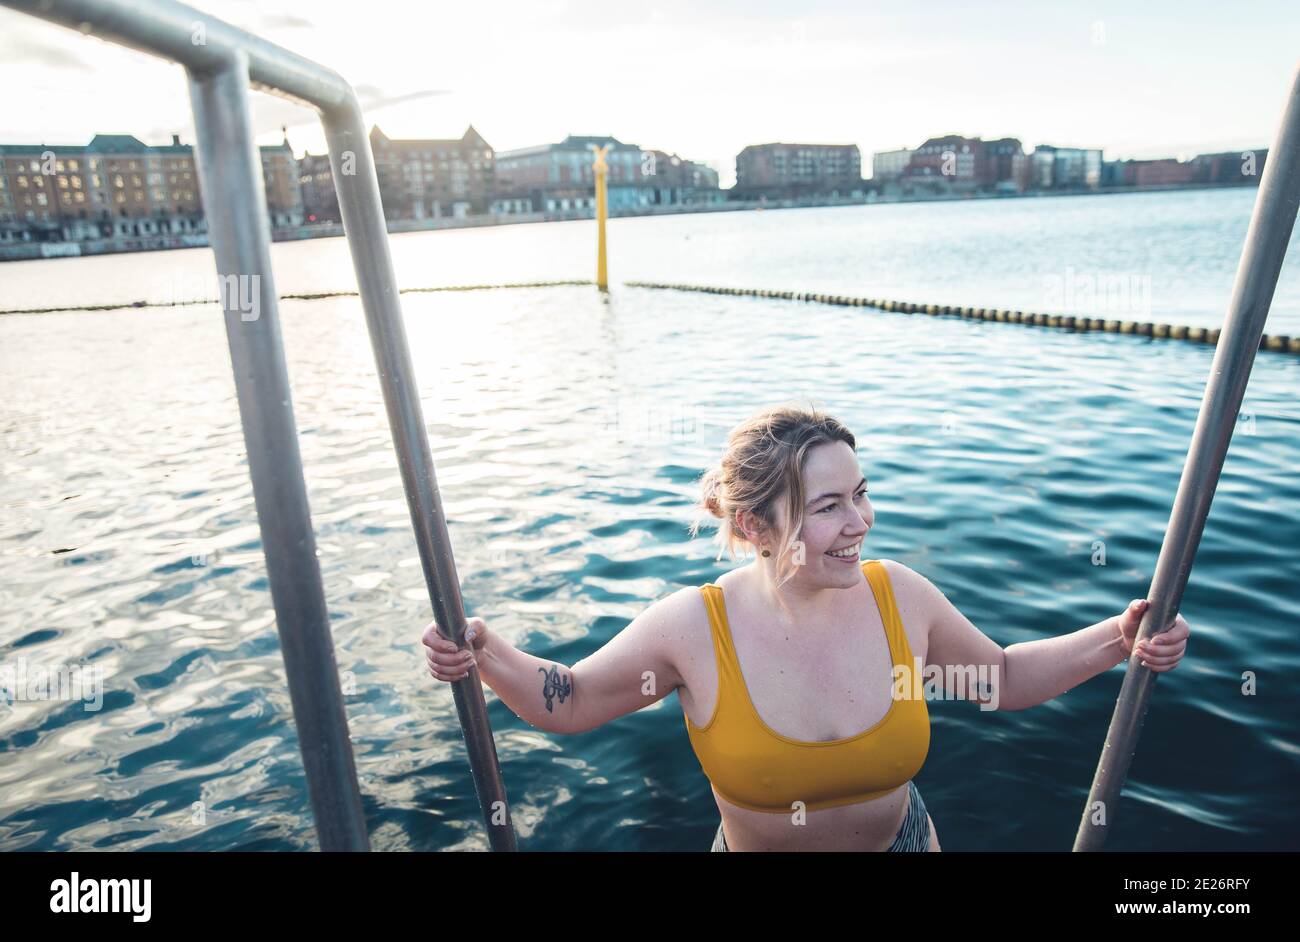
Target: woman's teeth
x,y
847,553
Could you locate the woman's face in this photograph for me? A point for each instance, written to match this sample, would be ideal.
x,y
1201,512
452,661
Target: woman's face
x,y
837,516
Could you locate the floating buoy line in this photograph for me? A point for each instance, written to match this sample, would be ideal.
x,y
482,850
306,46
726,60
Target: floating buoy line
x,y
1276,343
311,296
1206,335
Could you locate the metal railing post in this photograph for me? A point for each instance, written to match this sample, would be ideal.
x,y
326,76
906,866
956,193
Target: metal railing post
x,y
230,174
1252,294
221,62
362,211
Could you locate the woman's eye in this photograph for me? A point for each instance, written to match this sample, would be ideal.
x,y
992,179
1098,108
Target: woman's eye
x,y
833,506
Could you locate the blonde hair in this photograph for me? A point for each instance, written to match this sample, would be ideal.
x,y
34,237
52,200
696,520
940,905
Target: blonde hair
x,y
764,461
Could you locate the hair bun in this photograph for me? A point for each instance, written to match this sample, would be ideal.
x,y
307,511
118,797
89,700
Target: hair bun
x,y
711,485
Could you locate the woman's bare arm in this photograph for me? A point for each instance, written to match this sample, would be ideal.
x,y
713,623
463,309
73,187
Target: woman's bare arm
x,y
1024,674
1043,669
630,671
540,692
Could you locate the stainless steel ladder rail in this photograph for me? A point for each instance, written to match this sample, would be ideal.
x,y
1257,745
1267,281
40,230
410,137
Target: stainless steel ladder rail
x,y
1271,224
221,62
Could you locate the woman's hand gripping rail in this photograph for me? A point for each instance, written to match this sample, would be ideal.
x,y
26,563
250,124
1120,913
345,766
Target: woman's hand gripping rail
x,y
632,670
539,692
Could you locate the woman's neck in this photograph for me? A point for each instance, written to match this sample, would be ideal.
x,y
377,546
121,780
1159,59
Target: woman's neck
x,y
792,602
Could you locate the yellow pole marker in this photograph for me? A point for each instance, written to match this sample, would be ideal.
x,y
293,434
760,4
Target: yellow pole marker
x,y
600,168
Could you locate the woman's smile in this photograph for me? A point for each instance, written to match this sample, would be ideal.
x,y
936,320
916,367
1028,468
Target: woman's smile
x,y
847,555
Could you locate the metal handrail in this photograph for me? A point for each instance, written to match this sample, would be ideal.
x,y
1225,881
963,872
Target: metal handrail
x,y
221,62
1252,294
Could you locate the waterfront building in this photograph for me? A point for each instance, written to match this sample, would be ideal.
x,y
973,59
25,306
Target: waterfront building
x,y
119,187
280,179
431,179
320,201
674,180
952,164
949,162
114,186
889,164
558,178
1242,167
1065,168
1004,168
783,171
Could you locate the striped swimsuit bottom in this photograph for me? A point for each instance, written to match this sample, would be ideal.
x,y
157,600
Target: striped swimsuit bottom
x,y
914,835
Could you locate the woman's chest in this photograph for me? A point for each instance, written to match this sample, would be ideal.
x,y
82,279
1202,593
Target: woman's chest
x,y
811,683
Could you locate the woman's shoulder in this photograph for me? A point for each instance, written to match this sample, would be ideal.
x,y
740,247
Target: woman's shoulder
x,y
912,598
899,573
677,617
684,617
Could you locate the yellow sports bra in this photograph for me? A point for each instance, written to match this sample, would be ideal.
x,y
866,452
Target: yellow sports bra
x,y
755,767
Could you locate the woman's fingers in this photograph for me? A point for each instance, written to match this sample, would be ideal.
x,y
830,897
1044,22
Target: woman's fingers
x,y
446,661
1166,642
436,642
1175,638
453,660
1163,651
1158,661
431,637
448,675
449,666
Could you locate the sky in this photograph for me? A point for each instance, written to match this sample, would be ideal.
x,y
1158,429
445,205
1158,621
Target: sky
x,y
705,78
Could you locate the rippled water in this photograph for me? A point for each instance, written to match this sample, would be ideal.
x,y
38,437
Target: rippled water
x,y
568,431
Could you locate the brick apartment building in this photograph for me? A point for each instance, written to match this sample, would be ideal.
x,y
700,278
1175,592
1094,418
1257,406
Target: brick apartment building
x,y
793,170
430,179
118,186
320,201
953,163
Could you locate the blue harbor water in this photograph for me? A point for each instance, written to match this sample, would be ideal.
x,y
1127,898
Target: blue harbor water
x,y
568,431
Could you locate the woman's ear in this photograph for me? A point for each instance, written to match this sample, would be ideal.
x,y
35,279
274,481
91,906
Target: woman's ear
x,y
751,527
744,523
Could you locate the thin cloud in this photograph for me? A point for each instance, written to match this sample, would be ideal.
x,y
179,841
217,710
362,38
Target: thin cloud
x,y
373,98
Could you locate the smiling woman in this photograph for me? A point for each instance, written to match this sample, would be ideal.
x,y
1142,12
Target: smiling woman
x,y
790,484
765,463
786,668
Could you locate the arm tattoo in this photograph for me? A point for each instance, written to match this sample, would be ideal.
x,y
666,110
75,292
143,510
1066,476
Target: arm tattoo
x,y
554,685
